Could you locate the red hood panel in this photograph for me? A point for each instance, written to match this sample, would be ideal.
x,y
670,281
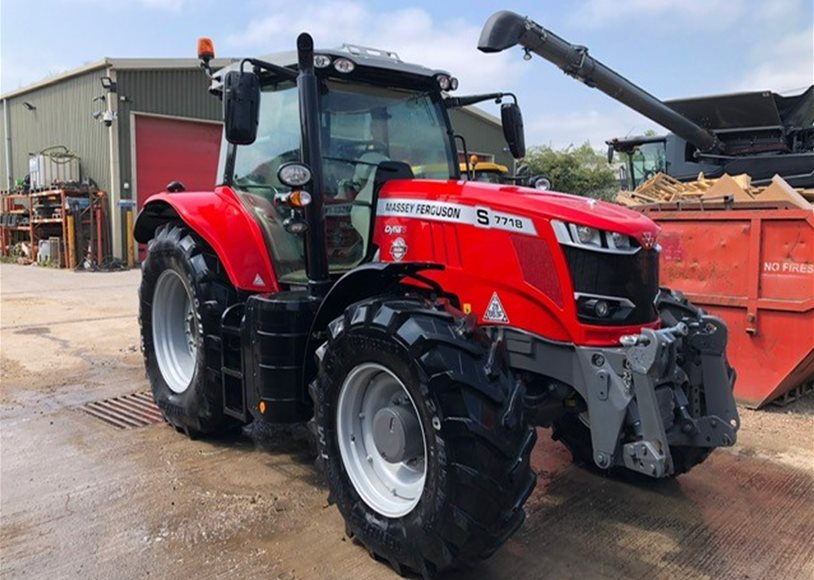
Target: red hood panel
x,y
526,202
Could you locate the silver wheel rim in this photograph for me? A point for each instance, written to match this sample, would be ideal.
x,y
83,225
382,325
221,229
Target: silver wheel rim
x,y
175,331
393,485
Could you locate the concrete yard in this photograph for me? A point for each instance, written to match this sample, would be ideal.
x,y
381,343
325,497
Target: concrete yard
x,y
79,498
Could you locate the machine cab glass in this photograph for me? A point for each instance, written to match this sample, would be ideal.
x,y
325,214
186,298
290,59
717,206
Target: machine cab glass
x,y
361,126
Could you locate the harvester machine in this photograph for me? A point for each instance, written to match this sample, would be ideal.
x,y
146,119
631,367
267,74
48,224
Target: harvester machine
x,y
759,133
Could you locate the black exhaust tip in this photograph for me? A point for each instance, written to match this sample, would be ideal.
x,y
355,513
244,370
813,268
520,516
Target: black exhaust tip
x,y
503,30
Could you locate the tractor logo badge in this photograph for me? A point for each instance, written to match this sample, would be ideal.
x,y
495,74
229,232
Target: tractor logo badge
x,y
398,249
495,312
647,240
258,281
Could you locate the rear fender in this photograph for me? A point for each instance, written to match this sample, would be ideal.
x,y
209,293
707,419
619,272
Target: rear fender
x,y
221,220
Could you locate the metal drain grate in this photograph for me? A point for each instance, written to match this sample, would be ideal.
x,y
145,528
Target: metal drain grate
x,y
126,412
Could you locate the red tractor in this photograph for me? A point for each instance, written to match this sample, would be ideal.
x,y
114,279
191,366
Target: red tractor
x,y
342,273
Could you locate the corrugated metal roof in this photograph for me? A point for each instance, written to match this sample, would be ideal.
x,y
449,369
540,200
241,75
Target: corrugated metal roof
x,y
119,64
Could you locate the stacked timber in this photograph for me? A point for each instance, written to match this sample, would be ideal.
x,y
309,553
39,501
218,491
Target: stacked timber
x,y
727,190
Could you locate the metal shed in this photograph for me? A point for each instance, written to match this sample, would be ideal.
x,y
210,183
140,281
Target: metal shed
x,y
157,106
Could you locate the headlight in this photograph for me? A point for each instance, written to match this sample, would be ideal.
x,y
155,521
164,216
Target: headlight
x,y
618,241
322,60
294,174
344,65
587,235
588,238
443,81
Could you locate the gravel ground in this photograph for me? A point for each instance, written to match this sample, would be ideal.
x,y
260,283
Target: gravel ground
x,y
81,498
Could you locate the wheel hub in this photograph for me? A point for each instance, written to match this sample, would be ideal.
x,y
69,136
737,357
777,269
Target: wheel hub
x,y
397,434
190,329
381,440
175,330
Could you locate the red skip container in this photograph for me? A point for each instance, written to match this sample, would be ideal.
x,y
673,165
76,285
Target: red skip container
x,y
754,268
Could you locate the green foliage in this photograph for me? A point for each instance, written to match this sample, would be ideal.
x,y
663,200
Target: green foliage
x,y
579,170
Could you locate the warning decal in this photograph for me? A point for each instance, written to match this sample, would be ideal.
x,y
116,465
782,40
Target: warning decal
x,y
495,312
481,217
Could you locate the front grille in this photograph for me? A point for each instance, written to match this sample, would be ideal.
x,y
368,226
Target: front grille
x,y
538,268
631,276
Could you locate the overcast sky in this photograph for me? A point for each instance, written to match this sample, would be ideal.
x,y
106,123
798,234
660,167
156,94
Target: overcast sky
x,y
672,48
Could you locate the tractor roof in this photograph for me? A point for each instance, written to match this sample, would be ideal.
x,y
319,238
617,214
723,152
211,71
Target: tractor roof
x,y
360,55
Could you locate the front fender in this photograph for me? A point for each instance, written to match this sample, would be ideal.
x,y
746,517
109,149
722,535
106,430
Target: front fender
x,y
365,281
223,222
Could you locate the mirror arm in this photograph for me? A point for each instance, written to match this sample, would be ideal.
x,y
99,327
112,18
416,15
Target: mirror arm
x,y
283,71
457,102
470,169
206,67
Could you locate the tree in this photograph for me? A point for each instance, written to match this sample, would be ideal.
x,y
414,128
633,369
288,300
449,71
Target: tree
x,y
579,170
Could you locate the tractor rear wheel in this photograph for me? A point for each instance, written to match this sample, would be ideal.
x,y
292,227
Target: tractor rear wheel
x,y
421,435
181,299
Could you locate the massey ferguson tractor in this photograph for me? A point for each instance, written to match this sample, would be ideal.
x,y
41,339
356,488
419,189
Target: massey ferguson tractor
x,y
342,273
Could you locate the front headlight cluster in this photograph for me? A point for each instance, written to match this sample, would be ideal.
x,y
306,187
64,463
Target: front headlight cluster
x,y
343,65
446,82
589,238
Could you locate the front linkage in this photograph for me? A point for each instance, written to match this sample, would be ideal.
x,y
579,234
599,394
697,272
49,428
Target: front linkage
x,y
658,404
662,392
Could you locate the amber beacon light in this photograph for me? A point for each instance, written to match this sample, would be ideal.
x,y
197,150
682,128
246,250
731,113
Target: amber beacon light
x,y
206,48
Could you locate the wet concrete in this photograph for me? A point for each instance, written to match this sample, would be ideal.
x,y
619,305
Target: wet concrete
x,y
81,498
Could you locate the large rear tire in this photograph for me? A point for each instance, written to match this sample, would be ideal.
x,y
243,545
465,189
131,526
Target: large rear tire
x,y
449,488
182,296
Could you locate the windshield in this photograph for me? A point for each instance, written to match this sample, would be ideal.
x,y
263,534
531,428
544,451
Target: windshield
x,y
645,161
361,126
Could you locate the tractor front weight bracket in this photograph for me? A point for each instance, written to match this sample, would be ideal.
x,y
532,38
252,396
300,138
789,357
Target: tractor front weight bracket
x,y
637,394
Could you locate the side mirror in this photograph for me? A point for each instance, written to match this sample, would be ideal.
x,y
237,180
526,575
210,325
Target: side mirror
x,y
610,153
241,106
512,120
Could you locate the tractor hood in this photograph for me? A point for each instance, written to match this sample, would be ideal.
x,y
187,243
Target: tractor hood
x,y
516,201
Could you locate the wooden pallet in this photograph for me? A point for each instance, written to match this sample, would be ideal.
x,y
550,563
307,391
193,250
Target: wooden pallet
x,y
736,190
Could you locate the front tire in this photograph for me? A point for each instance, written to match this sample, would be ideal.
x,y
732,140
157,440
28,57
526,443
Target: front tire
x,y
182,296
456,495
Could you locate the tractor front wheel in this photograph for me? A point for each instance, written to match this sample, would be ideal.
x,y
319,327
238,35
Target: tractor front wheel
x,y
181,299
421,435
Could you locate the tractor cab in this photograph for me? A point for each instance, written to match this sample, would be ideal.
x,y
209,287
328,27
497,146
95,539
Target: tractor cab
x,y
643,158
374,118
